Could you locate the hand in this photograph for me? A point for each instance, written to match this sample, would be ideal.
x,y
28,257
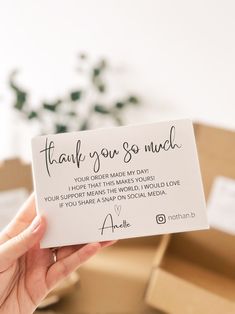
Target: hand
x,y
28,273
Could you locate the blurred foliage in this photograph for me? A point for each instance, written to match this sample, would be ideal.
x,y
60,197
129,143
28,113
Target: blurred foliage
x,y
64,111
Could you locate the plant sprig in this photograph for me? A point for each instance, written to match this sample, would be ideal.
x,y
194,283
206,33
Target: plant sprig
x,y
68,106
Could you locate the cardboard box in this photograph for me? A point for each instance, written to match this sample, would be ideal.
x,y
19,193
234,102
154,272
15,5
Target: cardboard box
x,y
15,174
197,272
115,280
15,185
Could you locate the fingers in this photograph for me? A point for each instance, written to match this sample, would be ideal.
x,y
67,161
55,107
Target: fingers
x,y
69,258
27,211
17,246
65,266
68,250
108,243
22,219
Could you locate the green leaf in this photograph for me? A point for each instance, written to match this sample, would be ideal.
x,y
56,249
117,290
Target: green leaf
x,y
21,98
84,126
32,115
101,88
52,106
96,72
133,100
61,128
72,114
21,95
101,109
75,95
49,107
119,104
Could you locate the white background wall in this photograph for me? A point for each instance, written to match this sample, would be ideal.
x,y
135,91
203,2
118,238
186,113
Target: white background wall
x,y
179,55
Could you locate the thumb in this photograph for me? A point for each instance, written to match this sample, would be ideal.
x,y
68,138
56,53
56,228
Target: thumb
x,y
14,248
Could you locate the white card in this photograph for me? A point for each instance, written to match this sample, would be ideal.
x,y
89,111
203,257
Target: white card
x,y
221,205
118,183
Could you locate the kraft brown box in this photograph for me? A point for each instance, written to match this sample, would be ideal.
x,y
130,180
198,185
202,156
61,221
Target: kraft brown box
x,y
15,174
196,275
115,280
